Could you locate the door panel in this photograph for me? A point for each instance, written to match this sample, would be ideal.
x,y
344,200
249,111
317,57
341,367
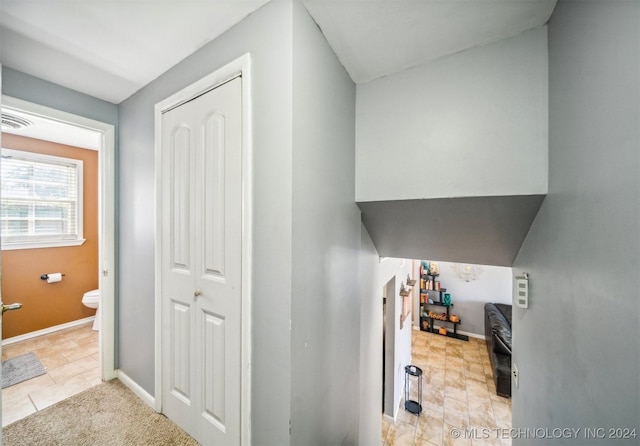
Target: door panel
x,y
214,196
181,198
180,351
177,271
201,273
213,386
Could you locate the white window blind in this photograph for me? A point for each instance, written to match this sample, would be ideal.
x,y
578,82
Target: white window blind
x,y
41,200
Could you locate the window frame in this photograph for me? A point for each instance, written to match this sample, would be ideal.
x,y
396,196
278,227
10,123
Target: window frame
x,y
47,240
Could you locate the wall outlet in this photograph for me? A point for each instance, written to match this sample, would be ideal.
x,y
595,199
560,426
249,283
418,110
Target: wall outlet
x,y
515,373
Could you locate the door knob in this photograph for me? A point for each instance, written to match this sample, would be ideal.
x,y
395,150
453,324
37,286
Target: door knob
x,y
11,307
197,293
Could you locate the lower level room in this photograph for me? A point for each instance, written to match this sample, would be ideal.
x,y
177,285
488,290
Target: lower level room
x,y
452,322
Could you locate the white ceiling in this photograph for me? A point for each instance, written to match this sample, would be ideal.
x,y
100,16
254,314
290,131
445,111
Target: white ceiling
x,y
377,38
110,49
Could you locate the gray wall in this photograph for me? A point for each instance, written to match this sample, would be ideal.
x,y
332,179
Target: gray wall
x,y
482,230
577,345
471,124
325,298
370,427
28,88
266,34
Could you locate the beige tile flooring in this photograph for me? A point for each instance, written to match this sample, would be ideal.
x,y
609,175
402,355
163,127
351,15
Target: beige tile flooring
x,y
71,359
457,393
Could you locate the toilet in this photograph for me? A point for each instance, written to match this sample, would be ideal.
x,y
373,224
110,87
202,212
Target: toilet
x,y
91,299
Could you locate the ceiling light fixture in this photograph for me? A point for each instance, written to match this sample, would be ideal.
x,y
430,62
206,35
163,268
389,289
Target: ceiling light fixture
x,y
466,271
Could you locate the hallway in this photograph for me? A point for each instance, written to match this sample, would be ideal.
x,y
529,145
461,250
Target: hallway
x,y
458,393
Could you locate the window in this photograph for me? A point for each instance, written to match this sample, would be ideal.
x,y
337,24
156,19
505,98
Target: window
x,y
41,200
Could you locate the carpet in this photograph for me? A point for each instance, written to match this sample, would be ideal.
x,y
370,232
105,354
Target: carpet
x,y
21,368
107,414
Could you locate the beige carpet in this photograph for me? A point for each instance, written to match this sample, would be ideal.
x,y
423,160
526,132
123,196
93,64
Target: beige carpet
x,y
107,414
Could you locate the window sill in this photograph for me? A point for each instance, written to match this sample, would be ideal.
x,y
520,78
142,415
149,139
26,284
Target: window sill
x,y
42,244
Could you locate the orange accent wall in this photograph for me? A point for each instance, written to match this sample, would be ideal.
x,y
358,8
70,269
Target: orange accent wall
x,y
48,304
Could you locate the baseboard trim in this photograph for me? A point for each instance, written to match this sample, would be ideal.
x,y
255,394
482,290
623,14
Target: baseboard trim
x,y
473,335
392,419
45,331
135,388
388,419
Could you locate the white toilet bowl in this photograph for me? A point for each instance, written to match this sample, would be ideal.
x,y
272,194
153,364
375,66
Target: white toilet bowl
x,y
91,299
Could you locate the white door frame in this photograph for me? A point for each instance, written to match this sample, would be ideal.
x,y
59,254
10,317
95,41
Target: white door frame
x,y
239,67
106,220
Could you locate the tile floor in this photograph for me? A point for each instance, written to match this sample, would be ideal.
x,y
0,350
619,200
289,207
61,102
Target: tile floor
x,y
457,393
71,359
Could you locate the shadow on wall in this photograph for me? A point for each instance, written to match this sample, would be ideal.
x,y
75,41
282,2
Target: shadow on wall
x,y
48,304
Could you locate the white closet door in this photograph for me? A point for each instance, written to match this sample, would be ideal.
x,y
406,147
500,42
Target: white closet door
x,y
201,265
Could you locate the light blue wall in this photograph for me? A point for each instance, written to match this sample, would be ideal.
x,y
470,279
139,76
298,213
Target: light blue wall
x,y
576,347
28,88
266,34
467,125
325,338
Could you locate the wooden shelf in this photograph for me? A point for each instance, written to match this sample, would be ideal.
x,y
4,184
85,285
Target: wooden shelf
x,y
440,304
427,320
450,334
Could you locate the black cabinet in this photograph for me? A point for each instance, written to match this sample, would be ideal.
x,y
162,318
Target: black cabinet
x,y
435,305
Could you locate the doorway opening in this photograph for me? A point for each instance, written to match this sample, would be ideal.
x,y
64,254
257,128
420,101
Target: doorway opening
x,y
76,131
457,370
388,348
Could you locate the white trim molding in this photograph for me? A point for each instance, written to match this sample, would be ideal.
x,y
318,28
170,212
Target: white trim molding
x,y
240,67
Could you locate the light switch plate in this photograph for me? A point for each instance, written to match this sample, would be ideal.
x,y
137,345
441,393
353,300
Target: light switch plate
x,y
521,291
515,373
